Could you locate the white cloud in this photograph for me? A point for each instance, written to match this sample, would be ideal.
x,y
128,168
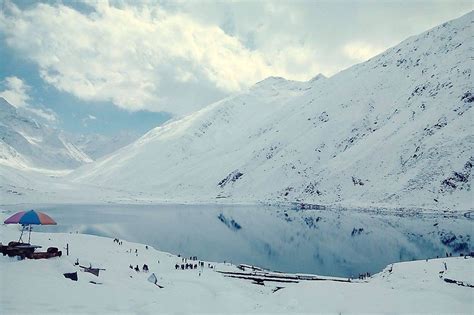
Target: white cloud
x,y
44,113
177,56
125,54
15,91
361,51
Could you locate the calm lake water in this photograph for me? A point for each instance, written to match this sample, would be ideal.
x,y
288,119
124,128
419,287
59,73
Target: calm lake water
x,y
325,242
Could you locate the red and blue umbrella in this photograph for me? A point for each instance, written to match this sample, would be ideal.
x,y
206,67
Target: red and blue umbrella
x,y
28,218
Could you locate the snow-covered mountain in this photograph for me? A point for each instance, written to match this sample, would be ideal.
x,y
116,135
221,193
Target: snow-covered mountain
x,y
396,130
26,143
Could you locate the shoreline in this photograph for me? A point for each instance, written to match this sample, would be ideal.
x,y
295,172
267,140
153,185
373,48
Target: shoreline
x,y
296,206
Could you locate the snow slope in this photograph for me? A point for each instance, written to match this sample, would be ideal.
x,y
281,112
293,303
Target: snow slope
x,y
28,144
396,130
413,287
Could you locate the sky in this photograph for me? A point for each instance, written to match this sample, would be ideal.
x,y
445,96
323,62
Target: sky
x,y
106,67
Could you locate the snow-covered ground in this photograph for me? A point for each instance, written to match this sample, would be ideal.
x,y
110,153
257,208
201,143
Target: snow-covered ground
x,y
39,287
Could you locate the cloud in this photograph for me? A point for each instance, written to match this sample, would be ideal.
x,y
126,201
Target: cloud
x,y
15,91
361,51
178,56
128,55
44,113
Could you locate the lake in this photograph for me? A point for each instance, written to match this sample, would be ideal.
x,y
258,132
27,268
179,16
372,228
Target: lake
x,y
325,242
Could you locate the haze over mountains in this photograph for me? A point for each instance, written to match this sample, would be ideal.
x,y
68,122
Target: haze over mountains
x,y
28,143
393,131
99,145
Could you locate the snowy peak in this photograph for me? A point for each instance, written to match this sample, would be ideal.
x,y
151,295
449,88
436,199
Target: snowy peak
x,y
271,81
318,77
5,107
278,83
432,45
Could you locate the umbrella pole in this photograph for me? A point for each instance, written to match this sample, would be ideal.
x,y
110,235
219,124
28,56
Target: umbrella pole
x,y
21,235
29,235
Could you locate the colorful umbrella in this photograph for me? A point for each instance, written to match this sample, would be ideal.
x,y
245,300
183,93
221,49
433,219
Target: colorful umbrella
x,y
28,218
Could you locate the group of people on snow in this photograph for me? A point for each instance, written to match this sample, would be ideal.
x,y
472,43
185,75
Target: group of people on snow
x,y
137,269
